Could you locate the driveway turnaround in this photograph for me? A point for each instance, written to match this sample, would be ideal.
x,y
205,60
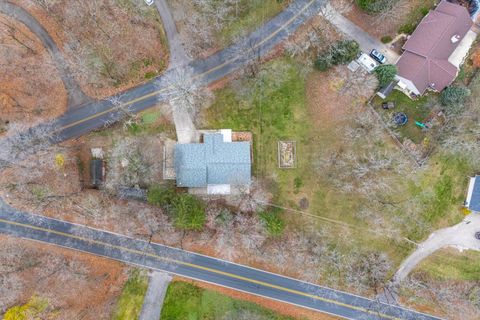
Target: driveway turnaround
x,y
196,266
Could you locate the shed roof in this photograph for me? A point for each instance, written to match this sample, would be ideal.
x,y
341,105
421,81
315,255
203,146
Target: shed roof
x,y
96,172
212,162
425,60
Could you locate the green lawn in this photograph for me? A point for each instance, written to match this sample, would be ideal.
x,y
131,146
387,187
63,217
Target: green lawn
x,y
151,122
184,301
416,110
450,264
273,108
130,302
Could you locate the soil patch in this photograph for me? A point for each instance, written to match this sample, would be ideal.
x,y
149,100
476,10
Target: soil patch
x,y
27,94
58,275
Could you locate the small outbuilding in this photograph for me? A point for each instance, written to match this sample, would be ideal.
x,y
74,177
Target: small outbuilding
x,y
97,172
473,195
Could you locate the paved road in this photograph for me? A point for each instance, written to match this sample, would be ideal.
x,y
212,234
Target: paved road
x,y
199,267
94,115
75,94
91,116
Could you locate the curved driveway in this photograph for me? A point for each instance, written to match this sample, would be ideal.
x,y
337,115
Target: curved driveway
x,y
75,93
460,236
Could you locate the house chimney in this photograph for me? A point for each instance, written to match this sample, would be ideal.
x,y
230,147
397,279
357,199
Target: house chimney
x,y
455,38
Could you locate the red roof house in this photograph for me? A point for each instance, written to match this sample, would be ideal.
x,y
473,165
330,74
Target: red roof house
x,y
427,60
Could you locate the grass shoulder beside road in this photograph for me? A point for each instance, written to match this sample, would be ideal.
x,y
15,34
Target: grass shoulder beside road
x,y
254,14
185,301
130,302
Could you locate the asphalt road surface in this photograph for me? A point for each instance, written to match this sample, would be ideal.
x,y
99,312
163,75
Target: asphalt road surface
x,y
94,115
91,116
195,266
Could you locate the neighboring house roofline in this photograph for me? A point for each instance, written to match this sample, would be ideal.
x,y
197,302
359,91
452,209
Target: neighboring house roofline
x,y
425,60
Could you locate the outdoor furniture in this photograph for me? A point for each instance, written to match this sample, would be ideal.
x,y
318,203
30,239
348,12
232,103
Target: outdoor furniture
x,y
388,105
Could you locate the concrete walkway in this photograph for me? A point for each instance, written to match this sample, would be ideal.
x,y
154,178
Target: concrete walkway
x,y
178,56
366,42
157,289
184,127
76,96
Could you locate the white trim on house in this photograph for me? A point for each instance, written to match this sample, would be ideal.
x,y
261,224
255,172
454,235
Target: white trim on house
x,y
471,184
220,189
406,86
227,135
461,51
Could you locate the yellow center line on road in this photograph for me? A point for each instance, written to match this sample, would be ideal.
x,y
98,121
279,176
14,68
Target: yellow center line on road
x,y
195,266
96,115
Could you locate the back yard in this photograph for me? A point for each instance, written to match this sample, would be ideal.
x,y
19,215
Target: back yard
x,y
419,110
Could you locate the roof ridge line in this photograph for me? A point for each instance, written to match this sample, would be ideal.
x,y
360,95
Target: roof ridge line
x,y
436,63
455,18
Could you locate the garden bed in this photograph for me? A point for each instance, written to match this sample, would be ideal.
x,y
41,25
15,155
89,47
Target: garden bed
x,y
287,154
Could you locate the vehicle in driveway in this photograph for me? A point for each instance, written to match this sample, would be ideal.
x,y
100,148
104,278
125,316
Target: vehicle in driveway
x,y
378,56
367,62
149,2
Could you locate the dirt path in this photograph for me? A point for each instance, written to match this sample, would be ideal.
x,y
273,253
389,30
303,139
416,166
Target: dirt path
x,y
76,96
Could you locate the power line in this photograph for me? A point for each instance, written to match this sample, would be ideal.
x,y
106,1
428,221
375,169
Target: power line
x,y
338,222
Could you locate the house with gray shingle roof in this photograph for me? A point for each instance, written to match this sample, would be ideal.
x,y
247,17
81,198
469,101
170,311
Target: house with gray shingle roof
x,y
216,164
473,194
434,52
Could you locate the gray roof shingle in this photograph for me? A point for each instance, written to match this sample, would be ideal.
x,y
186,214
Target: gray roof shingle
x,y
213,162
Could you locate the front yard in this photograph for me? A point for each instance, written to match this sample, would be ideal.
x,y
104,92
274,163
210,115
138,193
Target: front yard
x,y
185,301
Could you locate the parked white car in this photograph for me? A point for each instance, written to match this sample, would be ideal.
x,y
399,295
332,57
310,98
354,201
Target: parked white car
x,y
149,2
